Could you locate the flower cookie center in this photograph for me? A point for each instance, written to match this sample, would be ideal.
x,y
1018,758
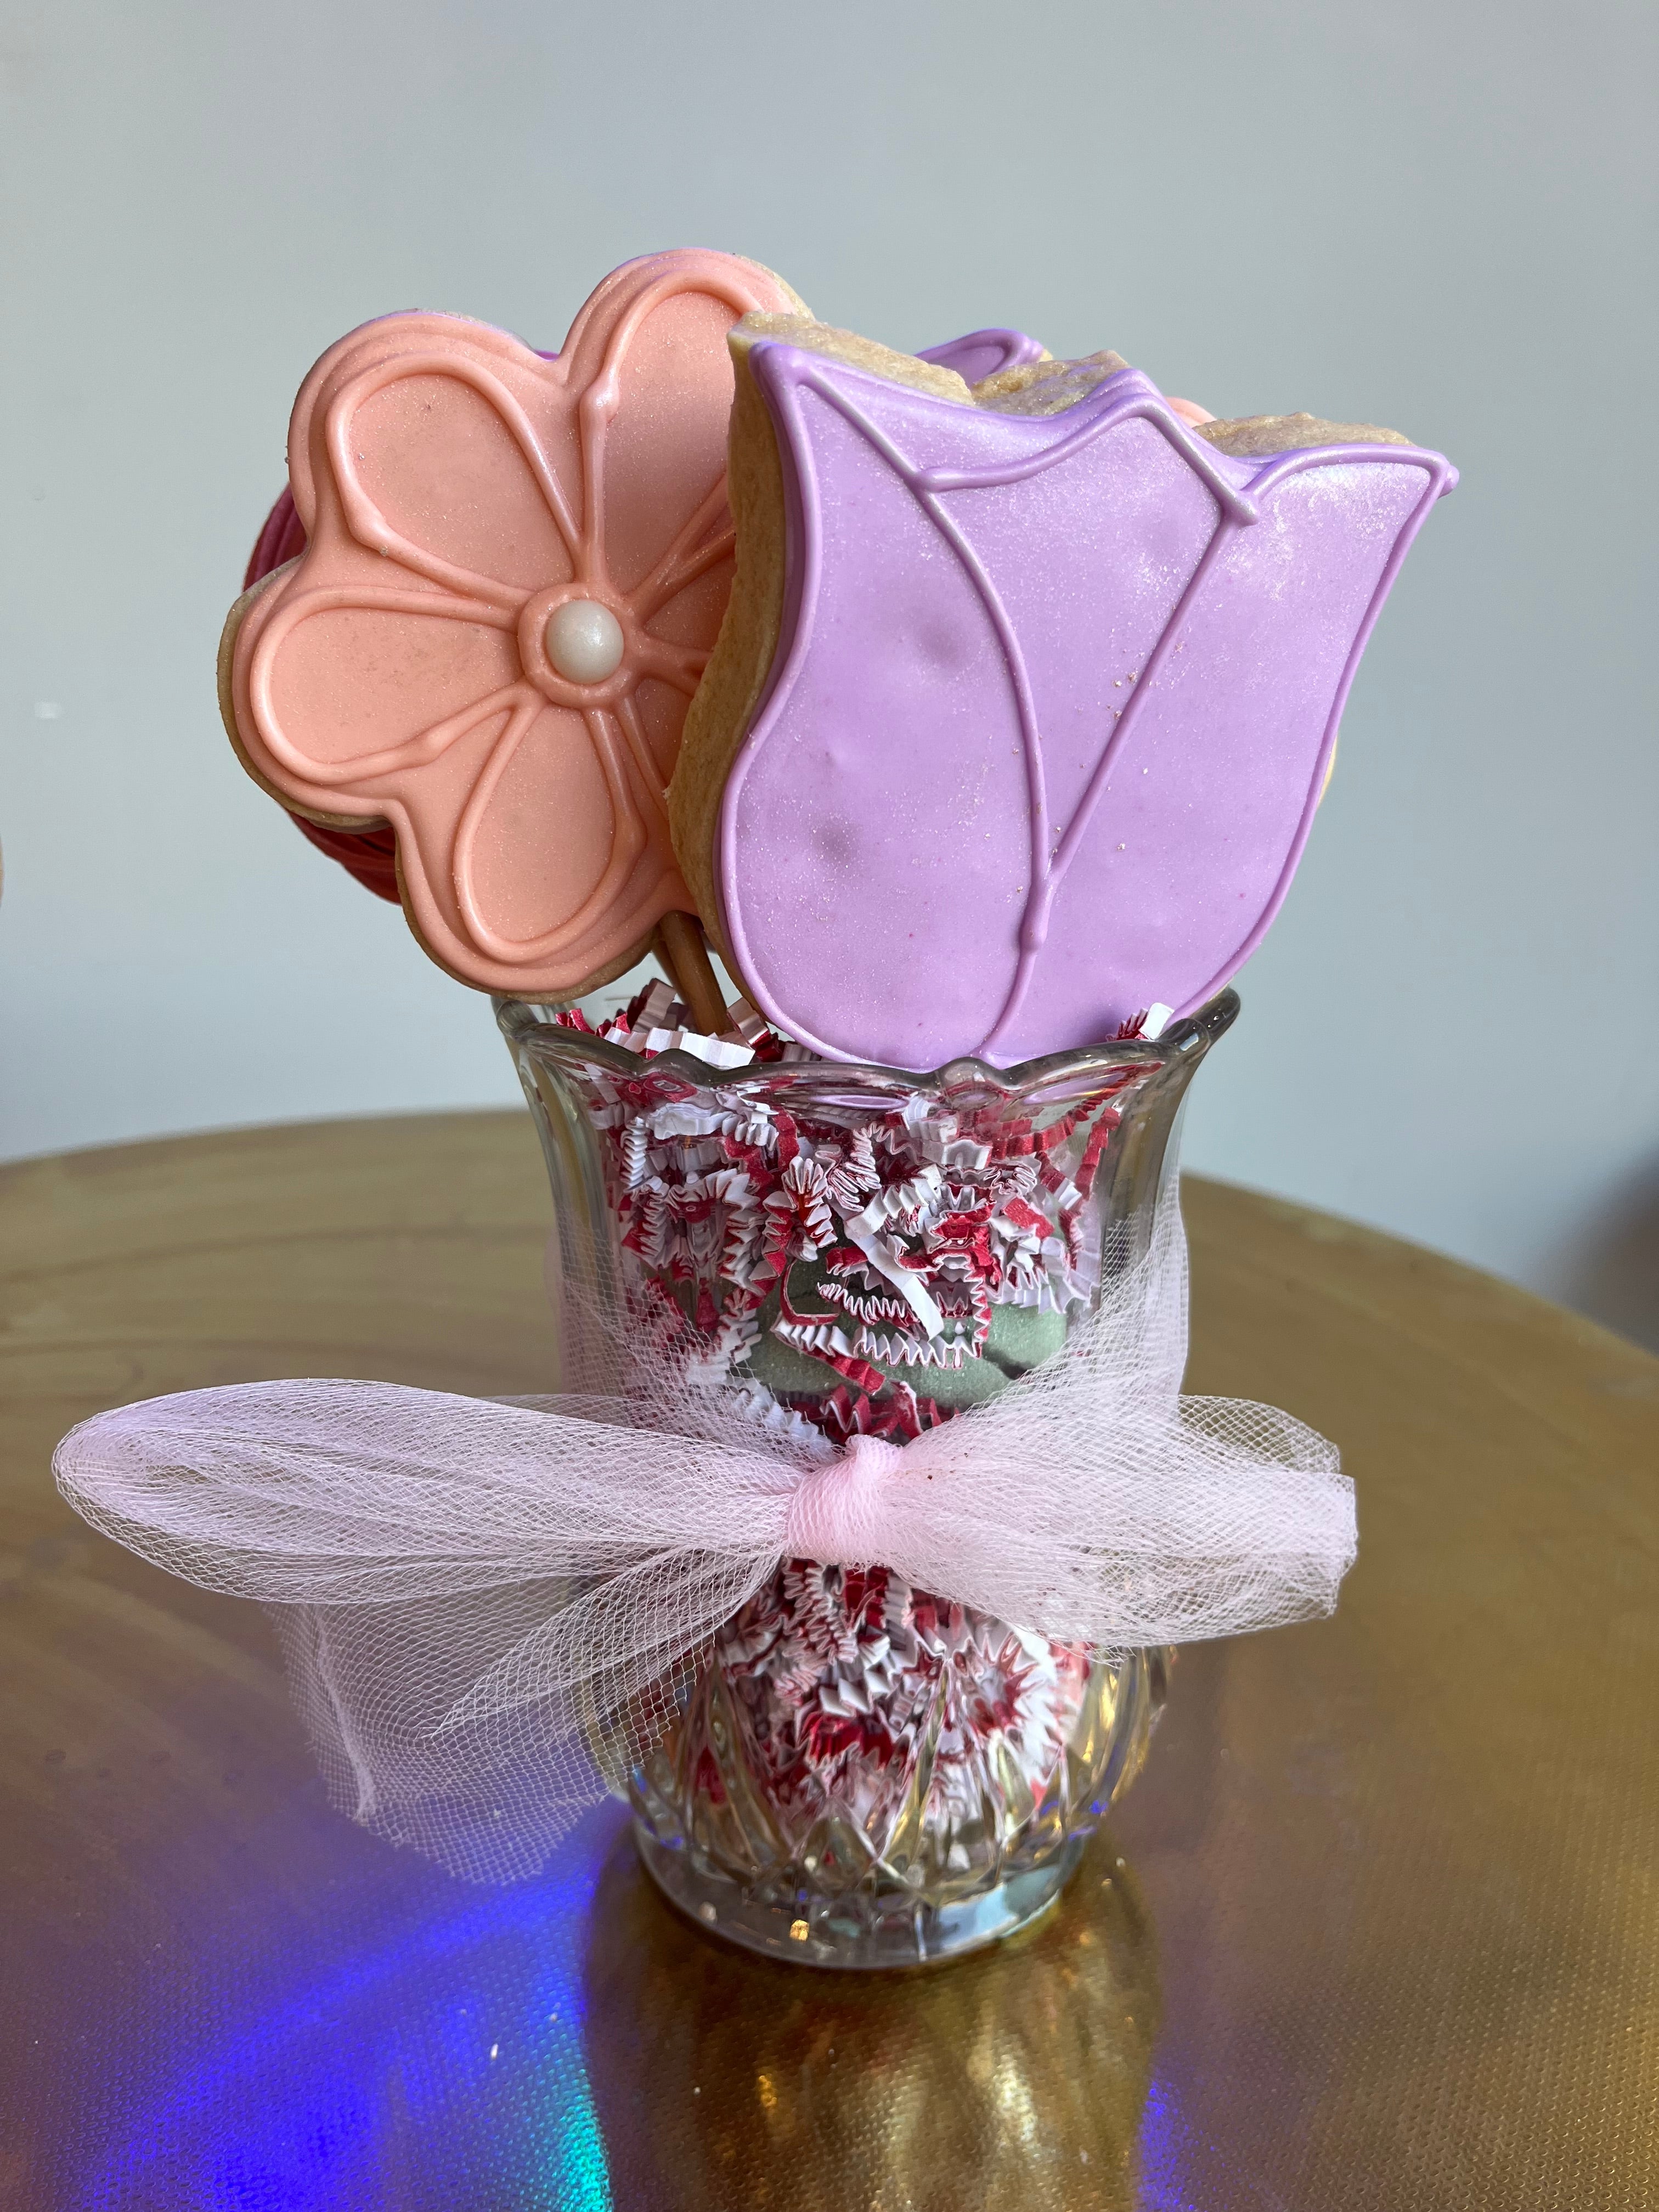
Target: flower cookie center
x,y
583,641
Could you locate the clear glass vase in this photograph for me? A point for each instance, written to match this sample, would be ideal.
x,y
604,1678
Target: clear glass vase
x,y
863,1774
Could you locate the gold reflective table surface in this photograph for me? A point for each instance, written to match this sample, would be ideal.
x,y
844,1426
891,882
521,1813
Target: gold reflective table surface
x,y
1378,1927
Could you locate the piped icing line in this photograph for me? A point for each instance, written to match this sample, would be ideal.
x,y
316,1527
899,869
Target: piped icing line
x,y
368,525
782,373
439,842
985,353
426,745
1115,399
1237,514
783,392
692,554
1442,478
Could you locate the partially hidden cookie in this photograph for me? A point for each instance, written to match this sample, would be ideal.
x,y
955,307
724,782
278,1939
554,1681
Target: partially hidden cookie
x,y
985,353
513,568
1025,695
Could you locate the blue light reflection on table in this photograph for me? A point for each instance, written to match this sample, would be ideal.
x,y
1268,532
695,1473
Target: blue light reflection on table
x,y
1163,2137
436,2059
387,2040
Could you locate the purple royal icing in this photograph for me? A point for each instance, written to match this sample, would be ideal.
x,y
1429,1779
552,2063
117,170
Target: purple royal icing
x,y
1050,712
984,353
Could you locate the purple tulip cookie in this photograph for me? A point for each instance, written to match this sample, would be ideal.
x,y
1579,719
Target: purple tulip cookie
x,y
1025,695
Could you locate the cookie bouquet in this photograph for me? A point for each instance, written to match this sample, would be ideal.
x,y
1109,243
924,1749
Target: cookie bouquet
x,y
947,728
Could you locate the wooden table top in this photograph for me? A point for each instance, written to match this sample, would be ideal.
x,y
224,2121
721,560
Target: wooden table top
x,y
1378,1928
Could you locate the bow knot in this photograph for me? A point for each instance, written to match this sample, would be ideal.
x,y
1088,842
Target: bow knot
x,y
835,1514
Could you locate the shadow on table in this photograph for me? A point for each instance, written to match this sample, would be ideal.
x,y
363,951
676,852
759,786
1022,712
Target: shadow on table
x,y
1014,2078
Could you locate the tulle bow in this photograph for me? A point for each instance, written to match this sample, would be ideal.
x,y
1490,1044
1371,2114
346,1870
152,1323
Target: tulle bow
x,y
486,1604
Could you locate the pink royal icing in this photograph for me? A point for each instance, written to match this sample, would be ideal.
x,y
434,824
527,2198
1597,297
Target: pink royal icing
x,y
514,568
1049,714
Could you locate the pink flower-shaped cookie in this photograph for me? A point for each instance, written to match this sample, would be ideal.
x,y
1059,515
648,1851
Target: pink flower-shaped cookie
x,y
515,566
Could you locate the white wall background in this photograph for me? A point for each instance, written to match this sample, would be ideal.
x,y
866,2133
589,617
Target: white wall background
x,y
1432,215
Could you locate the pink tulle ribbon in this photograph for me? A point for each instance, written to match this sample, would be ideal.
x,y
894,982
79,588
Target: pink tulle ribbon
x,y
486,1604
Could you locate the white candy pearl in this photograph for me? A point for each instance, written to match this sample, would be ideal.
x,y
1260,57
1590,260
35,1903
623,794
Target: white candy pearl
x,y
583,641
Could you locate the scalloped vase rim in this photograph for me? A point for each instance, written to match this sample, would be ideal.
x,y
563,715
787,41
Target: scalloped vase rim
x,y
522,1016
